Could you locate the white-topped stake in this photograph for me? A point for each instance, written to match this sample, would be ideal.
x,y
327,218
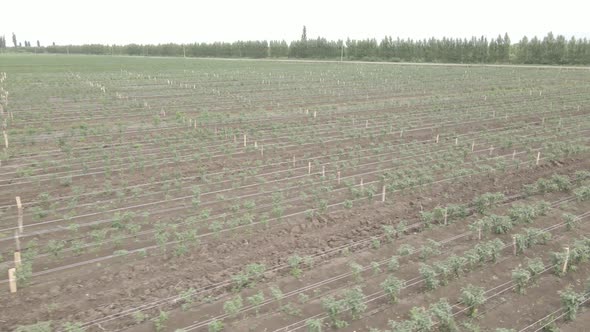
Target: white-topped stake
x,y
567,257
538,157
383,194
12,280
19,208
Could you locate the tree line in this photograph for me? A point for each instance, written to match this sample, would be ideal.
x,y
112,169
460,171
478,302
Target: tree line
x,y
548,50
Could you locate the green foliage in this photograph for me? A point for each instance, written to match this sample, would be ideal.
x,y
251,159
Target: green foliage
x,y
232,307
405,249
160,321
521,278
38,327
354,301
73,327
334,308
314,325
430,277
294,262
487,201
256,300
443,312
472,296
421,319
356,270
392,287
570,300
215,326
393,263
582,193
571,221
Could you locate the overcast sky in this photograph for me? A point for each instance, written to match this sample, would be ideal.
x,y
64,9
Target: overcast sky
x,y
184,21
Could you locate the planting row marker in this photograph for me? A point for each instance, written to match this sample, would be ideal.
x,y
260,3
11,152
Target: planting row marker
x,y
437,138
12,279
538,157
309,167
383,194
338,176
514,245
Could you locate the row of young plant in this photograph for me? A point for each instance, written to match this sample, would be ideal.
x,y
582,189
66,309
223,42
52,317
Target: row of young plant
x,y
45,197
531,236
182,247
230,148
123,220
428,250
472,296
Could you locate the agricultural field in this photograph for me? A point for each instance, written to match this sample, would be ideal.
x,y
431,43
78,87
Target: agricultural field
x,y
239,195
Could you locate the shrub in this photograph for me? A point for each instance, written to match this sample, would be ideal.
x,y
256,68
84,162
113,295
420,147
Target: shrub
x,y
429,276
570,301
443,312
522,278
472,296
421,319
233,306
392,287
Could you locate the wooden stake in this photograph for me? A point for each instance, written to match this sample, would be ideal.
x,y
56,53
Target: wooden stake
x,y
244,140
383,194
446,216
12,280
255,144
367,124
19,207
437,139
5,139
17,240
472,146
538,157
362,185
401,133
514,245
338,177
456,140
293,160
323,170
315,114
513,154
479,233
17,260
309,167
567,257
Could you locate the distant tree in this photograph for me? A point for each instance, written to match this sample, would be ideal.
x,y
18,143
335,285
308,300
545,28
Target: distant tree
x,y
3,42
38,43
14,40
304,34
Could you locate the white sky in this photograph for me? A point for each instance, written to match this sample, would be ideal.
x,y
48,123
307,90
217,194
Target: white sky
x,y
184,21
